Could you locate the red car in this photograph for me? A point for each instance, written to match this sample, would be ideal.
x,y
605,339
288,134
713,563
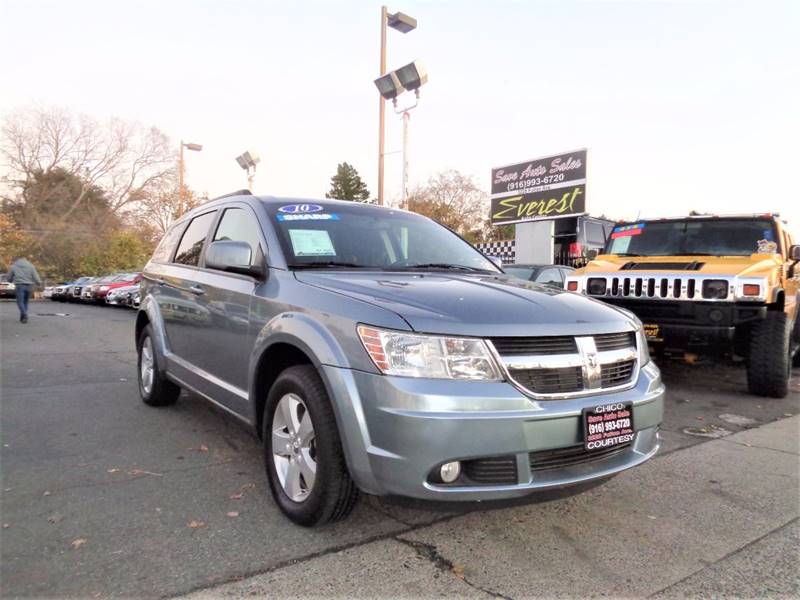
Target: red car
x,y
100,290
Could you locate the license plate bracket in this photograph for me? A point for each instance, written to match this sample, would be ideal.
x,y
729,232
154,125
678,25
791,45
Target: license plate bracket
x,y
607,425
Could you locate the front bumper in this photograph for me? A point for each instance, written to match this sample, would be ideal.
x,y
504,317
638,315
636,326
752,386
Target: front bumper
x,y
396,430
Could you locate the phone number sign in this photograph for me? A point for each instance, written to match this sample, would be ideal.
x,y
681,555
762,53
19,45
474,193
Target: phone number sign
x,y
544,188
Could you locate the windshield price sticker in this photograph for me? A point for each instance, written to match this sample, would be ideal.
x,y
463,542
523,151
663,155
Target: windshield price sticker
x,y
608,425
311,242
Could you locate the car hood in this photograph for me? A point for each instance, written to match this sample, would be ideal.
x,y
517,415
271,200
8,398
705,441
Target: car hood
x,y
477,305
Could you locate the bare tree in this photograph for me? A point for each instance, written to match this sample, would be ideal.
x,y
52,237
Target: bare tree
x,y
159,208
126,160
454,200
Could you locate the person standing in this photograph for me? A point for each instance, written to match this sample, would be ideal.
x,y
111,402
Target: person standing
x,y
23,275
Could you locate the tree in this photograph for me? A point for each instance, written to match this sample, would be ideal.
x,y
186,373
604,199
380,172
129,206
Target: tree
x,y
13,242
123,158
162,206
348,185
454,200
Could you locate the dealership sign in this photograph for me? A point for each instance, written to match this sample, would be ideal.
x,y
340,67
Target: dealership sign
x,y
545,188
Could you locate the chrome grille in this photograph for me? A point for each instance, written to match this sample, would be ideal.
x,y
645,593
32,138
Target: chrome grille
x,y
519,346
567,366
550,381
617,373
658,287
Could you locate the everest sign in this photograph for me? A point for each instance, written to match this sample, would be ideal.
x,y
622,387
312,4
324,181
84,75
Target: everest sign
x,y
545,188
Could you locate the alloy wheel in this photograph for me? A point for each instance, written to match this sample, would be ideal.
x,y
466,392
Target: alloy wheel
x,y
294,447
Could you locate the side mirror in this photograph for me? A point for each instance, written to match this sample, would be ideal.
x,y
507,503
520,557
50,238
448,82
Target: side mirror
x,y
591,254
233,257
794,252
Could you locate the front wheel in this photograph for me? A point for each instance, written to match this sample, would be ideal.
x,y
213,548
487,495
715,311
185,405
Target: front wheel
x,y
303,454
769,363
154,388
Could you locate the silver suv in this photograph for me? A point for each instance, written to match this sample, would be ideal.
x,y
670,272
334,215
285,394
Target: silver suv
x,y
373,349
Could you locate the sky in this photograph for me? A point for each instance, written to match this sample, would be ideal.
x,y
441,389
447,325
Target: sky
x,y
682,105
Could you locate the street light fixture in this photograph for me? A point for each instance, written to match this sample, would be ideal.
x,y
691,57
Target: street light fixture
x,y
181,194
410,77
402,23
248,161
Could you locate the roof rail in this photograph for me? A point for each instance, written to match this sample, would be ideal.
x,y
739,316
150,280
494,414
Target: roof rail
x,y
236,193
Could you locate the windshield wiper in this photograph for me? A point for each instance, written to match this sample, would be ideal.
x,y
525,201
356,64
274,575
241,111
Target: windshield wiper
x,y
444,266
328,264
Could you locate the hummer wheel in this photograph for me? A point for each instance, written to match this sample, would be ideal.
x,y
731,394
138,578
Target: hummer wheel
x,y
769,362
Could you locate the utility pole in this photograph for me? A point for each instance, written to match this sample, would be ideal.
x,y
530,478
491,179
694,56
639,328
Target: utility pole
x,y
180,182
382,112
406,118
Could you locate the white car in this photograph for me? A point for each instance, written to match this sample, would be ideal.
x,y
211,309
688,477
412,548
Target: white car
x,y
119,296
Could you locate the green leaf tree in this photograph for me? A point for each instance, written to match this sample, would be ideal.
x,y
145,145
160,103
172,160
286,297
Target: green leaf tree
x,y
348,185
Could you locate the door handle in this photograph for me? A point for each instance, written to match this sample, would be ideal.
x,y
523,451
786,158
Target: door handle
x,y
196,289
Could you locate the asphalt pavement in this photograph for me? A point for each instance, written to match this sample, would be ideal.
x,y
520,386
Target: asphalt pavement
x,y
102,495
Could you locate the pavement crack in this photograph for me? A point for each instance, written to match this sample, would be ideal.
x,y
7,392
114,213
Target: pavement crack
x,y
746,445
429,552
708,565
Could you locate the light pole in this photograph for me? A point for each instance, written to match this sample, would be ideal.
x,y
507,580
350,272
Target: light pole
x,y
248,161
410,77
188,146
402,23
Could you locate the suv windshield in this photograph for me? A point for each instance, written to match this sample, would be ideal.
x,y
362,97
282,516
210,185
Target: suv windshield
x,y
361,236
694,237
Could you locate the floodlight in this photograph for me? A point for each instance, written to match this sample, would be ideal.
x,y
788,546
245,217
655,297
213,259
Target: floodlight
x,y
248,160
401,22
389,86
412,76
195,147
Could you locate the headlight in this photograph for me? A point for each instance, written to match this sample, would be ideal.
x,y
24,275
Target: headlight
x,y
596,286
715,289
641,344
430,356
103,288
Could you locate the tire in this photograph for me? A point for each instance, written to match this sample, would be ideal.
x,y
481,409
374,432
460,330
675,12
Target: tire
x,y
769,365
155,390
332,494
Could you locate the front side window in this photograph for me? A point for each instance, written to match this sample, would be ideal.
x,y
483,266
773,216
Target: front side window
x,y
370,237
551,276
191,245
694,237
239,225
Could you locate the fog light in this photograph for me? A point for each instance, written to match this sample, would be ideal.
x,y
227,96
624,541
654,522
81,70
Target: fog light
x,y
449,472
716,315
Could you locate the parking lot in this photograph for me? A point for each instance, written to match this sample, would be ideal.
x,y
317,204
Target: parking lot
x,y
102,495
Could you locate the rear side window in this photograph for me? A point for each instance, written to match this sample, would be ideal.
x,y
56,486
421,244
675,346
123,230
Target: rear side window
x,y
551,275
193,239
239,225
165,247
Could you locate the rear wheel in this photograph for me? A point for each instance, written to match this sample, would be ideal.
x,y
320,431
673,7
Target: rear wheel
x,y
154,388
769,362
303,454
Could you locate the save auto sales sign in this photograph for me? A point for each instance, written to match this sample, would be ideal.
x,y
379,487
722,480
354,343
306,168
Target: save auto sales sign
x,y
544,188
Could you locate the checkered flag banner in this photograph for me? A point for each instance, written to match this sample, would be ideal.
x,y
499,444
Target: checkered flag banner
x,y
504,250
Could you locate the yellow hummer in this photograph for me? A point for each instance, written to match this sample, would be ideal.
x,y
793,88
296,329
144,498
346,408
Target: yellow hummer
x,y
707,285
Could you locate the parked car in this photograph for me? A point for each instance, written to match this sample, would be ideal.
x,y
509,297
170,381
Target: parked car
x,y
546,274
119,296
708,285
91,293
121,280
61,291
7,288
383,353
48,292
76,289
